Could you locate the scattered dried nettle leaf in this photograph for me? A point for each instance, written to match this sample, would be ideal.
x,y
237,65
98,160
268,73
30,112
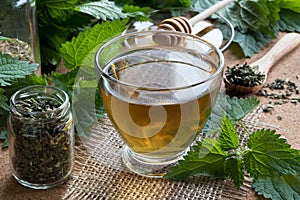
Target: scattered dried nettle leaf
x,y
280,91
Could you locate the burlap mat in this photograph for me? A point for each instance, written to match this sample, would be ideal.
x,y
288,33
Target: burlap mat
x,y
100,174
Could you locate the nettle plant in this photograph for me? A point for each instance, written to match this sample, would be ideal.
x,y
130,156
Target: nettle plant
x,y
266,157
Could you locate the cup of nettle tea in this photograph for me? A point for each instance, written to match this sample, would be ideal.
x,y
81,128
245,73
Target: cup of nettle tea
x,y
41,137
158,88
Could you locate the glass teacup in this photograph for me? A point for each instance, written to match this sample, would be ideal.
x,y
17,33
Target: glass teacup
x,y
158,89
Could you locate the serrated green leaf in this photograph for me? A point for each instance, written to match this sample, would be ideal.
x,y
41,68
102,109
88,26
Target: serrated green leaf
x,y
12,69
137,13
228,138
285,187
253,15
201,5
81,86
102,10
291,5
206,158
289,21
58,9
85,109
235,170
270,155
256,21
65,81
235,108
81,96
238,108
85,44
24,82
250,42
237,10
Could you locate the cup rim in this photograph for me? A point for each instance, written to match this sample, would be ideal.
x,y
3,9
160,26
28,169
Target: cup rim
x,y
124,35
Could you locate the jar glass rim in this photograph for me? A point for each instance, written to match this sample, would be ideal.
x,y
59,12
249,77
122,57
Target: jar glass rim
x,y
64,98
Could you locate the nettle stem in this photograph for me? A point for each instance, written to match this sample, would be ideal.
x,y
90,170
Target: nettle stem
x,y
244,127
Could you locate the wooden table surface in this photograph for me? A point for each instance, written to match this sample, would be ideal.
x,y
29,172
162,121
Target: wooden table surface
x,y
284,118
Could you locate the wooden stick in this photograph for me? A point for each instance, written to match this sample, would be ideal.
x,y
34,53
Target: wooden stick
x,y
286,44
208,12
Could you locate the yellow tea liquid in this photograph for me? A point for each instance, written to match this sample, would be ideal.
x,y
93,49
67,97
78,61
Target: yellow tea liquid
x,y
154,119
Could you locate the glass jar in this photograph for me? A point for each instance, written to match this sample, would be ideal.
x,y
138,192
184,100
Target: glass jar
x,y
18,30
41,137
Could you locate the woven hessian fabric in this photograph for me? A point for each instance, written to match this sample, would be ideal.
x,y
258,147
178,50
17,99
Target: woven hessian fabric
x,y
100,174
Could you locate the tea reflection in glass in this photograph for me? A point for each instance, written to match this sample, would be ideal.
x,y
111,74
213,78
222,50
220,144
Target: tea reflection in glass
x,y
158,88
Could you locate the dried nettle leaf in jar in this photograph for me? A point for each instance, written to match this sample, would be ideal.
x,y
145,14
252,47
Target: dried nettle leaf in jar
x,y
41,137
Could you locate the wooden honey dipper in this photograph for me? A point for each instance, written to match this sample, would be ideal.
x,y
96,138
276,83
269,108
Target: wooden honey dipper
x,y
182,24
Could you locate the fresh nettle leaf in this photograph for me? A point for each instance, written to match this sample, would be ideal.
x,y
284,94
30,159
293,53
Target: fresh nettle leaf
x,y
80,81
87,107
58,9
238,108
270,155
235,108
250,42
65,81
57,23
210,157
24,82
86,43
201,5
5,93
206,158
247,15
234,169
291,5
266,157
12,69
284,187
289,21
228,138
137,13
81,86
256,21
102,10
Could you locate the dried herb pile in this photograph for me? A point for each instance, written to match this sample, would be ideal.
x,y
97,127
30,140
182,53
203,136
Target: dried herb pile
x,y
244,75
17,48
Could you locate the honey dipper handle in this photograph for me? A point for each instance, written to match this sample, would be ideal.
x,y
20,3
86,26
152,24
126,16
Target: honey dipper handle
x,y
208,12
287,43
